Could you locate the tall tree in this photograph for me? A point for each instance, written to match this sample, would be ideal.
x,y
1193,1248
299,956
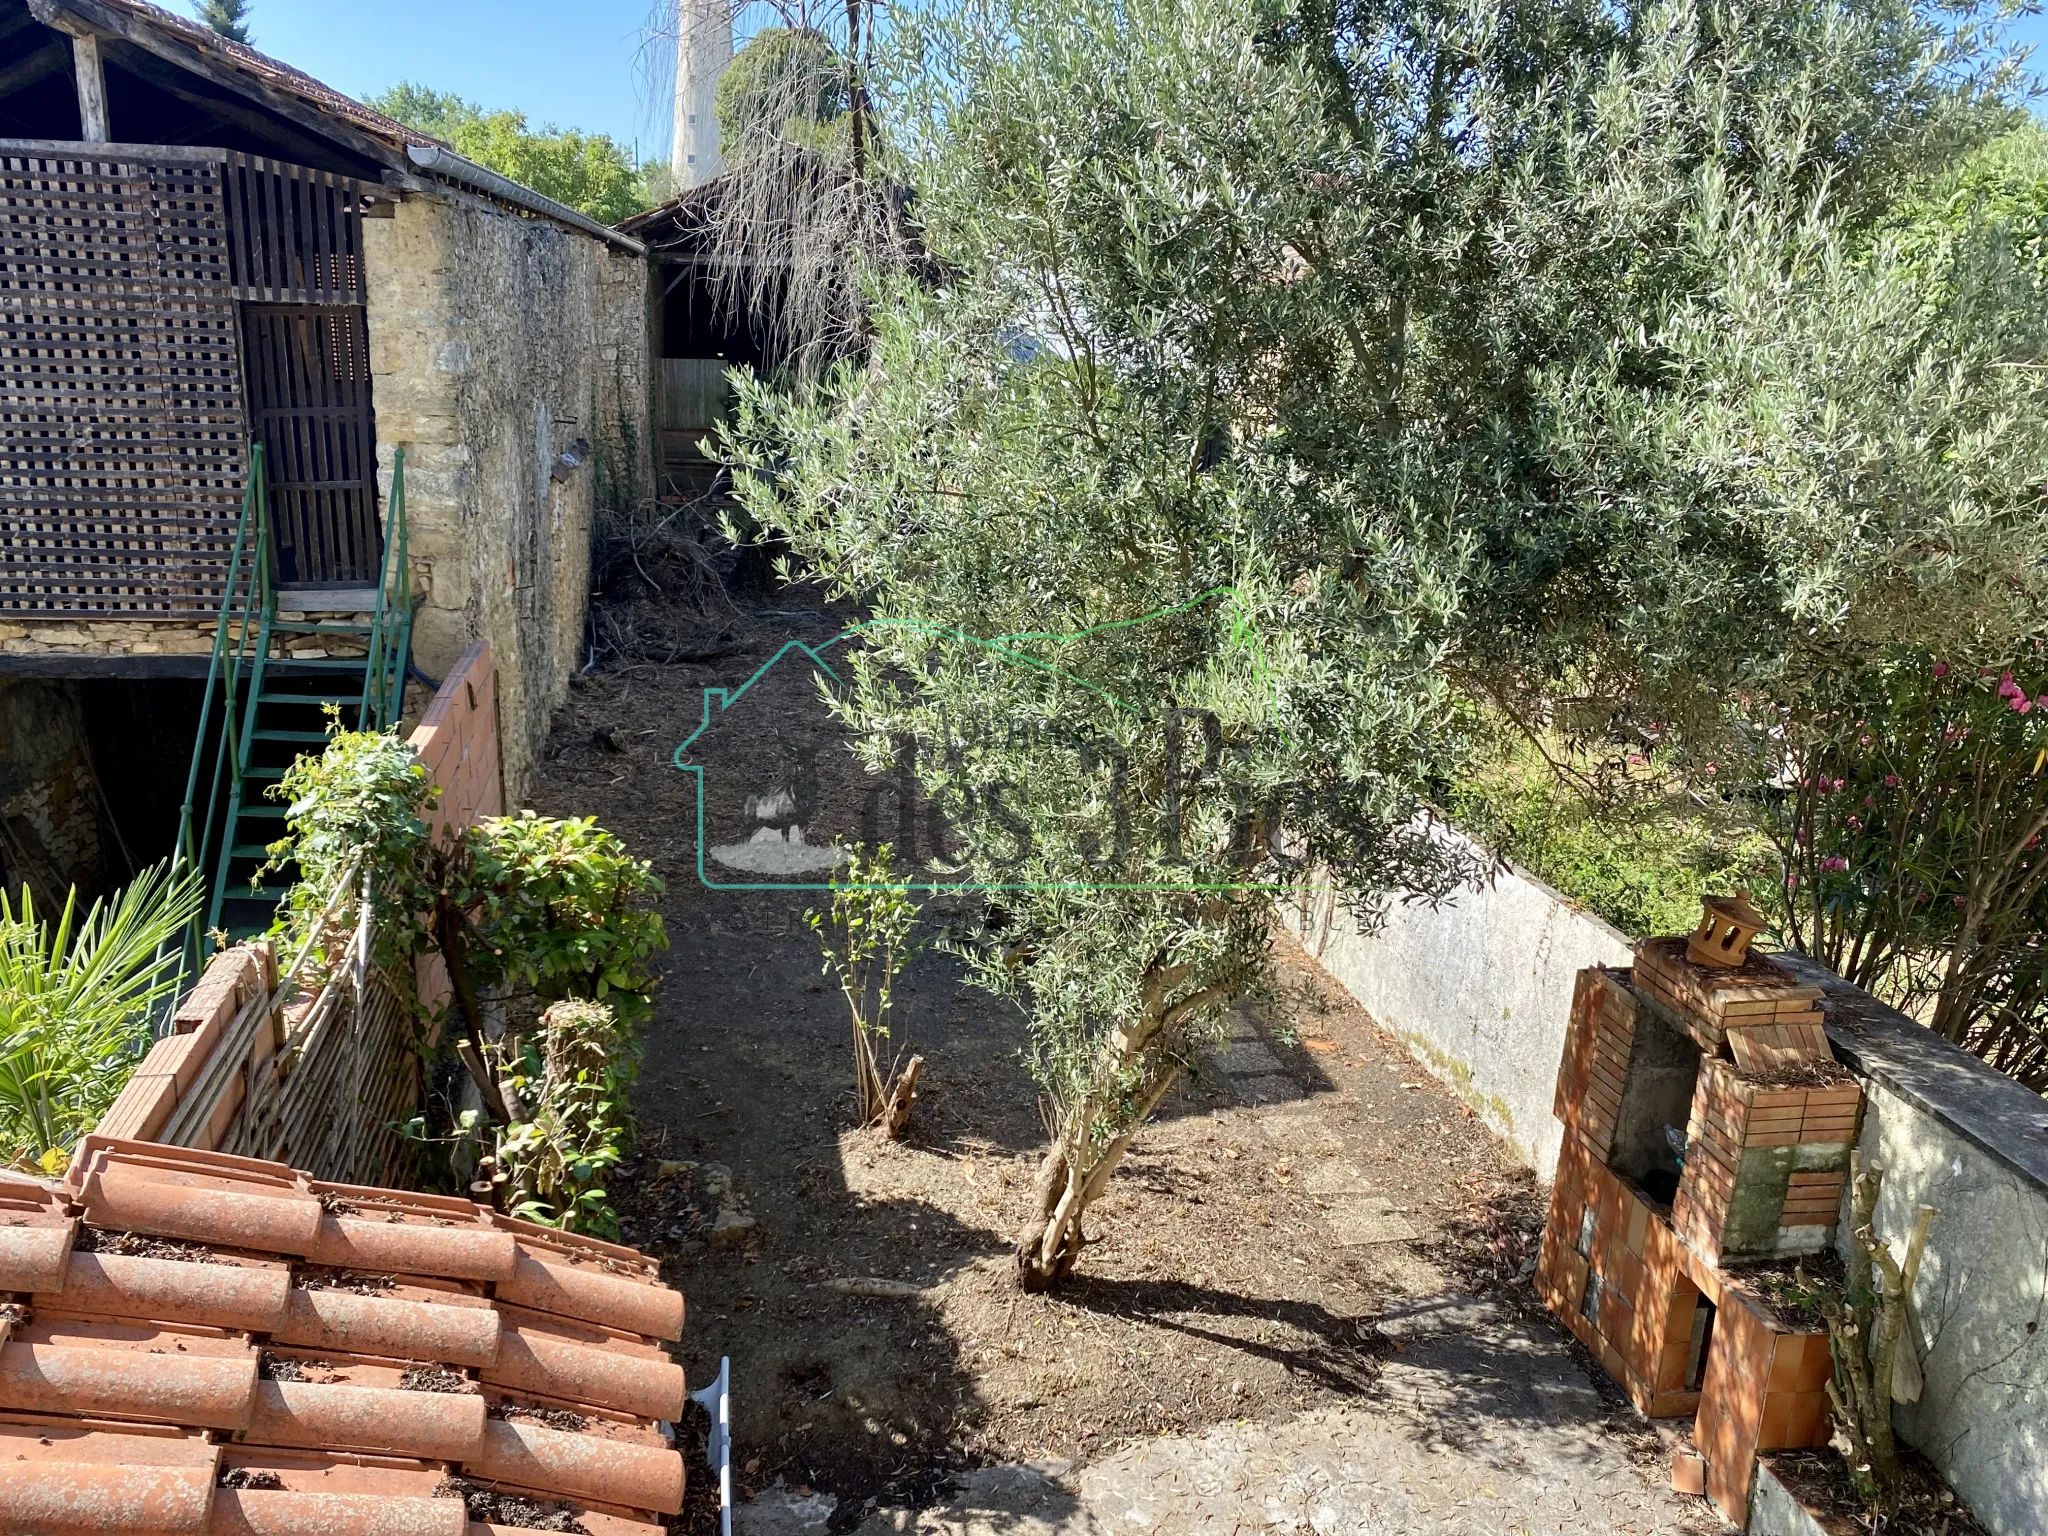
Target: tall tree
x,y
1301,374
230,18
589,171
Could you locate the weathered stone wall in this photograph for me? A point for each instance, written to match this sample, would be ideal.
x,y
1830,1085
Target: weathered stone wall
x,y
185,637
52,833
497,343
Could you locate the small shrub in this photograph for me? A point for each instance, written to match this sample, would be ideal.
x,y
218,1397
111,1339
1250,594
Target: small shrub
x,y
865,936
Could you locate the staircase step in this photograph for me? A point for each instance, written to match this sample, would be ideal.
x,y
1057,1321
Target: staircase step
x,y
288,665
249,851
264,773
297,599
288,736
322,699
265,808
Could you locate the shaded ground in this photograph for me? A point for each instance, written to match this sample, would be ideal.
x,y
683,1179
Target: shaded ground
x,y
1280,1280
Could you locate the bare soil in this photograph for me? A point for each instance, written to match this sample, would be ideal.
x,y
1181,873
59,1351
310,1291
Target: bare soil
x,y
1926,1506
1211,1290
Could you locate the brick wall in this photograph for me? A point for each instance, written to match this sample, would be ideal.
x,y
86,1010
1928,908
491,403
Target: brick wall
x,y
457,741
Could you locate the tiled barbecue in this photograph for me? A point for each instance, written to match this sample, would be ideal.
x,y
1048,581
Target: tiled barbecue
x,y
1707,1127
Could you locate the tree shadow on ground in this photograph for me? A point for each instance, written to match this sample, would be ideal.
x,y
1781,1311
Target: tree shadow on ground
x,y
1340,1353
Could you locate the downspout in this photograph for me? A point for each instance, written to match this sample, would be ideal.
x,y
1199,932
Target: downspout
x,y
437,161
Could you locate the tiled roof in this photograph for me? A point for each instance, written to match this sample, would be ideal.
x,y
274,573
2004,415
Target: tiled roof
x,y
200,1344
271,72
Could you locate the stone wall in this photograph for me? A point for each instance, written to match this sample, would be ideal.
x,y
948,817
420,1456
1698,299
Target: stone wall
x,y
53,834
185,637
1481,991
498,343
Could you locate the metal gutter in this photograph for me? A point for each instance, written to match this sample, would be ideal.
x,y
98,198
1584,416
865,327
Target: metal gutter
x,y
437,161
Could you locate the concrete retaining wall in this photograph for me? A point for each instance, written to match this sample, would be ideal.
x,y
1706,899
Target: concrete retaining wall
x,y
1481,991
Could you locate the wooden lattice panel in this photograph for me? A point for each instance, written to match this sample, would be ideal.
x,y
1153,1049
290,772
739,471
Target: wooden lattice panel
x,y
123,437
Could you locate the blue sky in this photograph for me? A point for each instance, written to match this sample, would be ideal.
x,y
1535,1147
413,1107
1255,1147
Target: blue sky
x,y
578,66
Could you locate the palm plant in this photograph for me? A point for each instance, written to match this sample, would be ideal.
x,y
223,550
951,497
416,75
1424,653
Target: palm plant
x,y
76,1002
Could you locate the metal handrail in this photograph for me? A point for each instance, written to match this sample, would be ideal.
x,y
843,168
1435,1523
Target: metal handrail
x,y
248,598
391,625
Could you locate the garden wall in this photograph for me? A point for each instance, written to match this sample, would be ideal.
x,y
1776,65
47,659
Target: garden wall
x,y
314,1072
1481,989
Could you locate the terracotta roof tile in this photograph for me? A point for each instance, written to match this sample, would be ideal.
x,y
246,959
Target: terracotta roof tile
x,y
249,1294
400,1324
36,1235
571,1360
587,1291
202,1197
162,1382
437,1425
527,1455
342,1495
354,1347
410,1234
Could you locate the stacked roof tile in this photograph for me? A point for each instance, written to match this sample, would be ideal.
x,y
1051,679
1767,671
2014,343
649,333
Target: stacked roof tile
x,y
199,1344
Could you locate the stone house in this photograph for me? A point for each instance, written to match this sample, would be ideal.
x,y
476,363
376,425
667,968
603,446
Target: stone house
x,y
204,253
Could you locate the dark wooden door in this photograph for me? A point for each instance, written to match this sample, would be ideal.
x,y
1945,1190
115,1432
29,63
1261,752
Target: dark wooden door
x,y
296,237
308,371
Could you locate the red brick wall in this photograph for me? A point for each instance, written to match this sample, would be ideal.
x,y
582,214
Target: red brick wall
x,y
457,739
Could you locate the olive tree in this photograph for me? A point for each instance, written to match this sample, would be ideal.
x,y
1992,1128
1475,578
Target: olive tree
x,y
1278,401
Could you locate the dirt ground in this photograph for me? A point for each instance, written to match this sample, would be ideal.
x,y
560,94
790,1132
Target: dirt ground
x,y
1234,1272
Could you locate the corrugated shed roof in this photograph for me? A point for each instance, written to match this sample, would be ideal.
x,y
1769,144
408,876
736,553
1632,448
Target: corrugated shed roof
x,y
206,1344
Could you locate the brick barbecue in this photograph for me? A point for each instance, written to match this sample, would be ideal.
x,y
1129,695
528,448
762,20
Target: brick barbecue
x,y
1708,1131
199,1344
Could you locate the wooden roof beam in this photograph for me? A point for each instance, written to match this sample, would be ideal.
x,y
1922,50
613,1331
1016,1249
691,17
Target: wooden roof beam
x,y
39,65
109,23
172,81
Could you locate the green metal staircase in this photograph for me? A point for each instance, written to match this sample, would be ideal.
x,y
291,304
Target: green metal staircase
x,y
261,711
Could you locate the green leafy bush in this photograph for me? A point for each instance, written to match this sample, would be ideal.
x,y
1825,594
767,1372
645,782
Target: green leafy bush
x,y
569,1079
560,909
1639,856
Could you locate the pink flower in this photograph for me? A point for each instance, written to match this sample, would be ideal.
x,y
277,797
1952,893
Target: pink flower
x,y
1834,865
1941,669
1839,783
1891,781
2041,702
2021,704
1713,768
